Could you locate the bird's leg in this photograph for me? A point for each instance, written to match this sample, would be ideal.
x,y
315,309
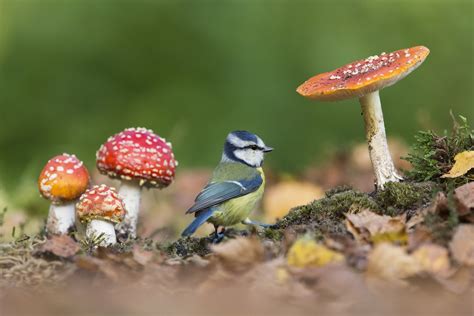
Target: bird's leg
x,y
248,221
218,234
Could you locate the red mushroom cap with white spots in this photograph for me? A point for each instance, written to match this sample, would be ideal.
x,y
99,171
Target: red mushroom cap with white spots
x,y
364,76
64,178
138,154
100,202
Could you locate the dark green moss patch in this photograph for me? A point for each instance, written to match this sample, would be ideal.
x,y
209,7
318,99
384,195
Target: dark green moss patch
x,y
398,197
189,246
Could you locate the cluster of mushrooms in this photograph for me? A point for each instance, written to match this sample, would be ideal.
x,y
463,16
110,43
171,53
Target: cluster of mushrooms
x,y
136,156
140,158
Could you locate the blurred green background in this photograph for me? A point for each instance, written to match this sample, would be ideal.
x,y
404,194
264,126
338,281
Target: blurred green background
x,y
73,73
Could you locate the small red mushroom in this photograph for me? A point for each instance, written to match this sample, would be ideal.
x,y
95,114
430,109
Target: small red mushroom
x,y
139,158
100,208
363,79
63,179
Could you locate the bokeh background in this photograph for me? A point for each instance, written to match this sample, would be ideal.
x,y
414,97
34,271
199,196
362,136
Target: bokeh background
x,y
73,73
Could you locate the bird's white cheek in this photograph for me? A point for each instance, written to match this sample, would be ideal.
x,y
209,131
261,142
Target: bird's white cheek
x,y
251,157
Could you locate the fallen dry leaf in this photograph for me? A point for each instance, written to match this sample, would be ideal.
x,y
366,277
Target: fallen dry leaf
x,y
305,252
141,256
433,259
462,244
366,225
463,162
391,263
282,197
239,253
61,246
464,196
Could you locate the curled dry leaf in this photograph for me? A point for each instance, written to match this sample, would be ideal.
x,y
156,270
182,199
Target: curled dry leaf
x,y
462,244
61,246
239,253
305,252
366,225
464,196
391,263
463,162
433,259
282,197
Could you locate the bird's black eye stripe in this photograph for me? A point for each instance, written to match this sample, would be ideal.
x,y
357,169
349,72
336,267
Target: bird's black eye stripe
x,y
254,147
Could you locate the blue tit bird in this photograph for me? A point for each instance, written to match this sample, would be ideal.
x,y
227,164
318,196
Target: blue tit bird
x,y
236,185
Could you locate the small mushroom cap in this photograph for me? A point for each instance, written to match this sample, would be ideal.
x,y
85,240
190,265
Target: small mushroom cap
x,y
364,76
100,202
138,154
64,178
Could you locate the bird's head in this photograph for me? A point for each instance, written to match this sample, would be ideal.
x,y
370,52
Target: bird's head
x,y
246,148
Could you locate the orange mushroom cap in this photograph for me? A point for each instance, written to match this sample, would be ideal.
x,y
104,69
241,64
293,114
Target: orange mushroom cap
x,y
64,178
100,202
364,76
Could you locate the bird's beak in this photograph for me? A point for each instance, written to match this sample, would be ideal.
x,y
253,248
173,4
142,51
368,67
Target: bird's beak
x,y
267,149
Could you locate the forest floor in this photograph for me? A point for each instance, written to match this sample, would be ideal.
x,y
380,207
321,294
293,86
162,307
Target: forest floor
x,y
406,249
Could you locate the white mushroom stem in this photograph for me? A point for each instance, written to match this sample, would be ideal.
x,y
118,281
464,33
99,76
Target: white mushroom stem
x,y
104,229
382,163
130,192
61,218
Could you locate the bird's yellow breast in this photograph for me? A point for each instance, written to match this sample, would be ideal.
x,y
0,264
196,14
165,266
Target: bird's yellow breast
x,y
236,210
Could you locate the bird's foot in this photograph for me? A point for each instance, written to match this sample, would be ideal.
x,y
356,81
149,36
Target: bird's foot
x,y
219,235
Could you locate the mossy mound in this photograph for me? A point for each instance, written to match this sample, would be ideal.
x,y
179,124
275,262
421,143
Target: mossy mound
x,y
400,197
326,215
189,246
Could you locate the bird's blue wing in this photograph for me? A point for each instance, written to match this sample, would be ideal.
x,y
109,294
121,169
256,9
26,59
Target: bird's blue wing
x,y
218,192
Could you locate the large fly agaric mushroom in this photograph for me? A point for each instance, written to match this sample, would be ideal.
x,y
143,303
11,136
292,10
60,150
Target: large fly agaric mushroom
x,y
63,179
100,208
363,79
139,158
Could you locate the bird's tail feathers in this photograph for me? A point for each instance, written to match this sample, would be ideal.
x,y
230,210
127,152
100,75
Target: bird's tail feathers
x,y
198,221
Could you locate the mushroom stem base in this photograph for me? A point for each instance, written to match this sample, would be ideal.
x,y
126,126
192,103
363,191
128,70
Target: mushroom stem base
x,y
382,163
104,229
130,192
61,218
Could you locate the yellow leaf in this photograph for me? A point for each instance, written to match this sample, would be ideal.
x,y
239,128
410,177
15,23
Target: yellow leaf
x,y
463,163
305,252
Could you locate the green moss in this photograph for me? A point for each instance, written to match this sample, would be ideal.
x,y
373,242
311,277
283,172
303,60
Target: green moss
x,y
189,246
432,155
398,197
272,234
326,216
